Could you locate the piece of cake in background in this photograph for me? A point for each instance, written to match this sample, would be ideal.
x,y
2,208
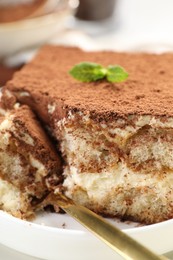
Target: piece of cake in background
x,y
46,22
18,9
116,139
28,161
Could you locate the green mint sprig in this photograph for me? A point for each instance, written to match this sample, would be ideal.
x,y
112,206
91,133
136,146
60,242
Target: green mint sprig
x,y
89,71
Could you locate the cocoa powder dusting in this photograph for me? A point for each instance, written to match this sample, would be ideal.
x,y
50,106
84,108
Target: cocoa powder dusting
x,y
148,90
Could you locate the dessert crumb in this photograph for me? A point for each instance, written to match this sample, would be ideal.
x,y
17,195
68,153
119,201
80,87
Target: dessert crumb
x,y
64,225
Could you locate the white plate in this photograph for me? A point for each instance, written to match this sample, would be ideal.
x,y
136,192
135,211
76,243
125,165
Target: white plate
x,y
16,36
56,236
7,253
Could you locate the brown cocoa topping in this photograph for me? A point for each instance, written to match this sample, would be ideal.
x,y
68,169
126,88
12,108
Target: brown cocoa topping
x,y
146,92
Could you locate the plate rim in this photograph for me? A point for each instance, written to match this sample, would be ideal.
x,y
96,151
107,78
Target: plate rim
x,y
130,230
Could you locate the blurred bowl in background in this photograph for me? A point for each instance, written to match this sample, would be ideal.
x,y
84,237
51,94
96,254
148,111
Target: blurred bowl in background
x,y
24,34
95,10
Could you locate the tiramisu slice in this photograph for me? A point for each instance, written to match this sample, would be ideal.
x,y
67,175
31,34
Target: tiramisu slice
x,y
27,161
116,139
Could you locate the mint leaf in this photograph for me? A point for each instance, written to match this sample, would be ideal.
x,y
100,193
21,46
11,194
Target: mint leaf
x,y
88,72
116,74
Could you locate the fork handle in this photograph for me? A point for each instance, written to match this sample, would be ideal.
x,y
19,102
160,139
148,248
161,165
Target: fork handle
x,y
123,244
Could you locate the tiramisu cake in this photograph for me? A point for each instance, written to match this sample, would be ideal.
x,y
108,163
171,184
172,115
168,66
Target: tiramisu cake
x,y
116,139
7,72
14,10
28,161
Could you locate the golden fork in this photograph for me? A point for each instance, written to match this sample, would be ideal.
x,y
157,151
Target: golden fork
x,y
123,244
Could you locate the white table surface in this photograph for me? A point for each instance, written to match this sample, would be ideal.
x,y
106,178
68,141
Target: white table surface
x,y
138,25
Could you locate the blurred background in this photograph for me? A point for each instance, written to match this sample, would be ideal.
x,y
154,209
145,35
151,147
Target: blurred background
x,y
122,25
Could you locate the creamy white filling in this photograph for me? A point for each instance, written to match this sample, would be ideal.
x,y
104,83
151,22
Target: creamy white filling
x,y
51,108
2,112
11,164
160,151
99,185
10,197
7,124
24,137
24,94
41,171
